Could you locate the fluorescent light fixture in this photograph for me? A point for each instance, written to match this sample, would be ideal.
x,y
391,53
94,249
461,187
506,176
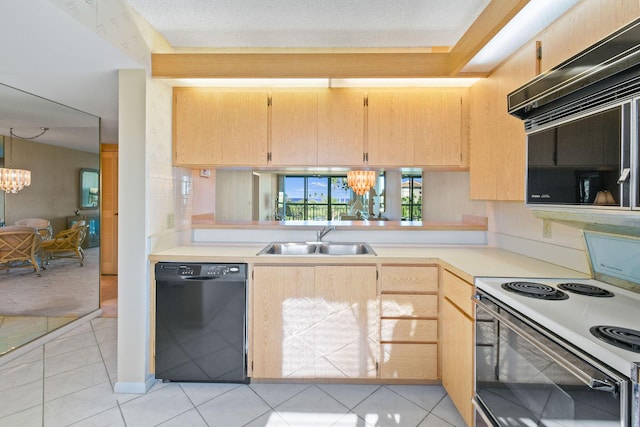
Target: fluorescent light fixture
x,y
325,83
532,19
408,82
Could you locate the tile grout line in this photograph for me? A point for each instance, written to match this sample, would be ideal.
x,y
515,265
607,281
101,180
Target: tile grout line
x,y
349,410
194,405
271,409
104,363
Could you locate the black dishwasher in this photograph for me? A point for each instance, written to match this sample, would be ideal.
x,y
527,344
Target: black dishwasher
x,y
201,332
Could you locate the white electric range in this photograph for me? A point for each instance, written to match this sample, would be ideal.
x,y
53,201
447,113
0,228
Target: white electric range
x,y
572,318
549,352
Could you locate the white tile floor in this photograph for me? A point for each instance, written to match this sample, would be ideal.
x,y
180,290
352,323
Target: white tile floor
x,y
69,381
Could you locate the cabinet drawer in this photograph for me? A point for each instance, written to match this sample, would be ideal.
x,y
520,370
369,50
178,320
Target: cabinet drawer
x,y
396,305
403,278
409,361
458,291
409,330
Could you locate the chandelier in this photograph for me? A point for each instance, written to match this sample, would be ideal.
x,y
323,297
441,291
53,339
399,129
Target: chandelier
x,y
361,181
14,180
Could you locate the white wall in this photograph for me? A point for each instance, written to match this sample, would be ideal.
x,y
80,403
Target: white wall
x,y
512,226
133,292
170,188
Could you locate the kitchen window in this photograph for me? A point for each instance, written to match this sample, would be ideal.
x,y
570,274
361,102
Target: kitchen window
x,y
321,198
314,197
411,198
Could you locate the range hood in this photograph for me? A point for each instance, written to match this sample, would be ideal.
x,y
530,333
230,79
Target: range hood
x,y
602,73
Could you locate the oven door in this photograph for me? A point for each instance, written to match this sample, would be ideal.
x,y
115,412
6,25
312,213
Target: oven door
x,y
524,378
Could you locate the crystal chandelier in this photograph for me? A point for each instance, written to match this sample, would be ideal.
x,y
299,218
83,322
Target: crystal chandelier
x,y
361,181
14,180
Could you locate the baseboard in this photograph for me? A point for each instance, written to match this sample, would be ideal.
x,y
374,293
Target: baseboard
x,y
134,388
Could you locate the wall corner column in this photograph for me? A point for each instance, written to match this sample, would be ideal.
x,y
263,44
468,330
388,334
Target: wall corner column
x,y
133,275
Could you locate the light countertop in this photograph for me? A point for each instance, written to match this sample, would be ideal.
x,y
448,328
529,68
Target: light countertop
x,y
466,261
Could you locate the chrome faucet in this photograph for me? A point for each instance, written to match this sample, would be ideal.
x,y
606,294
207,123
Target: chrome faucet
x,y
321,233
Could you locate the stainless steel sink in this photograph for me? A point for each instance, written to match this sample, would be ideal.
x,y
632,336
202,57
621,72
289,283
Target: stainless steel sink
x,y
289,249
317,248
345,249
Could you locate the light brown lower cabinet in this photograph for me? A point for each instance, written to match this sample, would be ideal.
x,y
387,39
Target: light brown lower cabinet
x,y
457,343
404,361
409,322
314,322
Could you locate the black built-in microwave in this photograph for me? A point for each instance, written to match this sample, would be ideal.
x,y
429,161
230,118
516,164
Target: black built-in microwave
x,y
585,160
581,120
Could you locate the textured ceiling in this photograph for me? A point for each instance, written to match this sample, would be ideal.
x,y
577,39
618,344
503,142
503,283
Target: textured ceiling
x,y
310,24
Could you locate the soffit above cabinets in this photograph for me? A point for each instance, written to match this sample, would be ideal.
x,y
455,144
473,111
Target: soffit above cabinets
x,y
332,39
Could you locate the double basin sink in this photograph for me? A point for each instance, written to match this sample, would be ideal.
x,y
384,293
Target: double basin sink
x,y
317,248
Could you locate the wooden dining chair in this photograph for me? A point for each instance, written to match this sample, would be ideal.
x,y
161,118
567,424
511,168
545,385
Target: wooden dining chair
x,y
20,246
66,243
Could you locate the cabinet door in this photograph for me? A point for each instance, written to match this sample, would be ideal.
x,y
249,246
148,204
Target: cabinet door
x,y
409,361
341,127
498,141
218,127
282,333
389,142
408,279
457,342
417,127
346,322
482,168
294,128
437,121
457,358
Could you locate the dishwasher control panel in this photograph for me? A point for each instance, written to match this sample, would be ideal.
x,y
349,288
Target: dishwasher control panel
x,y
220,270
201,270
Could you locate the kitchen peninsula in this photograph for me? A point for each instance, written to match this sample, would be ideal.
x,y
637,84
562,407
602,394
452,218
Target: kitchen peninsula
x,y
378,318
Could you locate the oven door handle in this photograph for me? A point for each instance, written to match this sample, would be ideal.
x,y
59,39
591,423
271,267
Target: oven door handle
x,y
593,383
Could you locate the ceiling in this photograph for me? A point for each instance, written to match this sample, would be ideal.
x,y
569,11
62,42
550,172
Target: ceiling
x,y
25,115
310,24
53,55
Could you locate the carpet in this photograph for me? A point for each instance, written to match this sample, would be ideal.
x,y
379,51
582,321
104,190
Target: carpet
x,y
64,289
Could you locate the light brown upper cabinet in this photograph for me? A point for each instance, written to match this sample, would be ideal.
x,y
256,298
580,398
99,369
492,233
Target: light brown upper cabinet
x,y
317,127
294,128
320,127
441,122
498,141
417,127
214,127
341,119
389,138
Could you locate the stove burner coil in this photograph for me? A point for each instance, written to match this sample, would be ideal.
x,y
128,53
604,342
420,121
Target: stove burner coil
x,y
628,339
535,290
585,289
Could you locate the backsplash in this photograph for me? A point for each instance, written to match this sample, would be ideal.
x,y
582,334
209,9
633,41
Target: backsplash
x,y
512,226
